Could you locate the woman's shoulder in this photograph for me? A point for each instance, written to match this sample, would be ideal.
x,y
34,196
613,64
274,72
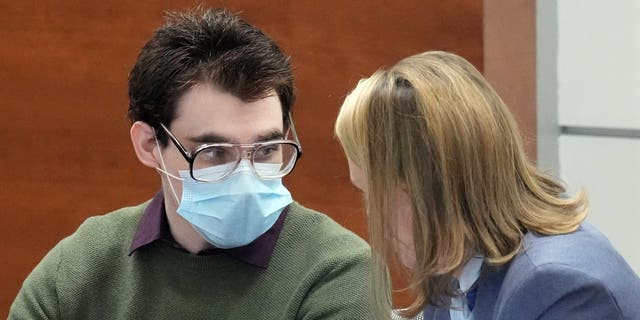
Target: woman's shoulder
x,y
585,249
580,264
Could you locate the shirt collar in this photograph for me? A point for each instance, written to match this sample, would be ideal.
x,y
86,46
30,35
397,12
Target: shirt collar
x,y
154,226
470,273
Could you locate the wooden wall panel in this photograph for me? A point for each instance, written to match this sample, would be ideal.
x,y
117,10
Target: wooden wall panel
x,y
65,151
510,60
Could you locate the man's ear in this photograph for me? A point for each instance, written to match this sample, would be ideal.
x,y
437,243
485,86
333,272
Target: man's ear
x,y
144,143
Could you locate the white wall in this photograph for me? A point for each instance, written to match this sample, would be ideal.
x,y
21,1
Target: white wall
x,y
598,89
609,169
599,63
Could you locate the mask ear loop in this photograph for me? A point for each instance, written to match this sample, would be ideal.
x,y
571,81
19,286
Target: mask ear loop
x,y
163,170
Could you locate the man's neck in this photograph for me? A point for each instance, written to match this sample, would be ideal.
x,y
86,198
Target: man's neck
x,y
184,233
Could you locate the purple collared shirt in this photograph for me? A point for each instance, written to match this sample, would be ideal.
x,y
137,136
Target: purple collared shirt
x,y
154,226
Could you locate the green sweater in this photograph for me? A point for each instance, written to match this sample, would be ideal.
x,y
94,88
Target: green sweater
x,y
318,270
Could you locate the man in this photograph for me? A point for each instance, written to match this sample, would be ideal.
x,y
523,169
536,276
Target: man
x,y
210,99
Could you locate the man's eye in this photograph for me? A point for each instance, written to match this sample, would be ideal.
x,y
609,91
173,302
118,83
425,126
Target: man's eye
x,y
267,151
216,155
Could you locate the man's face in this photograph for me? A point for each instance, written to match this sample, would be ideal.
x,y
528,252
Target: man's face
x,y
207,114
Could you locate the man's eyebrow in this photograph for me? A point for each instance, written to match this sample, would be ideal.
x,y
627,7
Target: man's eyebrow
x,y
272,135
209,138
217,138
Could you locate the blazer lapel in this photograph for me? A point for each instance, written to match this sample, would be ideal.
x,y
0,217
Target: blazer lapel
x,y
489,285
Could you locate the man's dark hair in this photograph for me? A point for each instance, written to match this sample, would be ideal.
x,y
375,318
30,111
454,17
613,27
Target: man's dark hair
x,y
205,46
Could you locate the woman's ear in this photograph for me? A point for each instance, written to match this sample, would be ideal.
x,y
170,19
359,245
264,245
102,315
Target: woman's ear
x,y
144,142
357,175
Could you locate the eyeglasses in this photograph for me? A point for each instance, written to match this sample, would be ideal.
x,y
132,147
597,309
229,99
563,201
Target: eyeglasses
x,y
269,160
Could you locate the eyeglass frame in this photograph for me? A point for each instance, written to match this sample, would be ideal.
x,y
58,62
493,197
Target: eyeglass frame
x,y
239,147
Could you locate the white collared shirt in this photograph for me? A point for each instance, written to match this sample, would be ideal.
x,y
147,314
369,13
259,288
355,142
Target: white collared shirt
x,y
459,308
470,273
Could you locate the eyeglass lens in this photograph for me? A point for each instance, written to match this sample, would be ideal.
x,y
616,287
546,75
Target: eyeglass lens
x,y
271,160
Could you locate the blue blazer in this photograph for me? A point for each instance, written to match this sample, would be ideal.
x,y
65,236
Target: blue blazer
x,y
572,276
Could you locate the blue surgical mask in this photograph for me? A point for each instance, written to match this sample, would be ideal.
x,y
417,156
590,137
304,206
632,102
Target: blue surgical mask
x,y
235,211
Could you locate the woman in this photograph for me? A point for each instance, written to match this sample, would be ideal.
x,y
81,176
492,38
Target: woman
x,y
451,195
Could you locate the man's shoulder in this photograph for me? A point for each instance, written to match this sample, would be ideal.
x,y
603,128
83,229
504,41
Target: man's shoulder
x,y
322,262
112,223
110,231
309,230
306,222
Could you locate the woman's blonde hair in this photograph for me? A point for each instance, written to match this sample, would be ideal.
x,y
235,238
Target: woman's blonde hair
x,y
432,126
